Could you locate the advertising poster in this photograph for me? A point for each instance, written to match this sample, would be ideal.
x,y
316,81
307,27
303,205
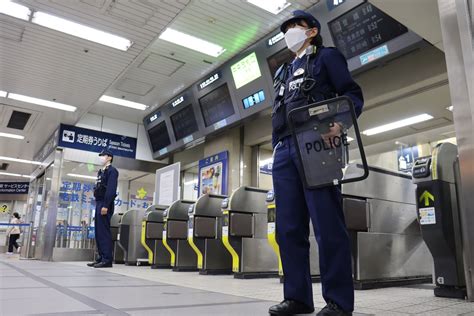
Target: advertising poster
x,y
213,174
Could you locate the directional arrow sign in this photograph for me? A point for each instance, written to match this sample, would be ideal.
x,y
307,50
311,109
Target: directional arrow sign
x,y
427,196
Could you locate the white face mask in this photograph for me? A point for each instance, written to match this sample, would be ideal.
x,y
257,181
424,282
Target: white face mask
x,y
295,38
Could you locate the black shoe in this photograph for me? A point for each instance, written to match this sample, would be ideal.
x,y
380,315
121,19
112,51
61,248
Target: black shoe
x,y
91,264
332,309
290,307
103,265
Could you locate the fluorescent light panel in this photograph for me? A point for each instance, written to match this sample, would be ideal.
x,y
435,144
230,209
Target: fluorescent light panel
x,y
122,102
81,31
81,176
10,174
3,94
20,160
15,136
192,42
397,124
272,6
49,104
15,10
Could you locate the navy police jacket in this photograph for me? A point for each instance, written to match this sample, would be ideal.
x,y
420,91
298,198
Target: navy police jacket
x,y
106,185
328,67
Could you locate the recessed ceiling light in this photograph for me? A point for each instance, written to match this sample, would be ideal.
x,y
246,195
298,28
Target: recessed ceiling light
x,y
15,136
49,104
20,160
450,108
272,6
192,42
3,94
82,31
122,102
81,176
10,174
397,124
15,10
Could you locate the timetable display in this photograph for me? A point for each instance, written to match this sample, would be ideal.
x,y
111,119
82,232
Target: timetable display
x,y
159,137
363,28
184,122
246,70
216,105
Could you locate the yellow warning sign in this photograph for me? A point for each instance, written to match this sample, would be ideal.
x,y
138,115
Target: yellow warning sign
x,y
426,197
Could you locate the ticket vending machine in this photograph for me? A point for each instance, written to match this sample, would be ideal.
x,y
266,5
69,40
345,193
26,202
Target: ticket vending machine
x,y
175,237
271,234
152,237
439,217
244,234
205,235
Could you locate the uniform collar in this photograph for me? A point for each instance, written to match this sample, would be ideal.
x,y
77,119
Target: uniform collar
x,y
309,50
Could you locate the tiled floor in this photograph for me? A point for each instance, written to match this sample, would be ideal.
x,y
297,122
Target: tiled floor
x,y
46,288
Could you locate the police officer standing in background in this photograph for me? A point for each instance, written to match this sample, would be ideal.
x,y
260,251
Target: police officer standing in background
x,y
105,192
317,73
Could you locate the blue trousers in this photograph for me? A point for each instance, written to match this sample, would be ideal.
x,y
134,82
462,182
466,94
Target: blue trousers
x,y
295,205
103,235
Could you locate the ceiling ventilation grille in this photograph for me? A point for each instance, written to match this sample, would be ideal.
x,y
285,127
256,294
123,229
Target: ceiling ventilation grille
x,y
18,120
3,166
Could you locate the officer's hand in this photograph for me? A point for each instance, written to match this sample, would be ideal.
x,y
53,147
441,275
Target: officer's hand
x,y
335,130
103,211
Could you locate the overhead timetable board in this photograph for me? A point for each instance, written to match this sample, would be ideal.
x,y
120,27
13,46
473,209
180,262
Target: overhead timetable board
x,y
363,28
243,87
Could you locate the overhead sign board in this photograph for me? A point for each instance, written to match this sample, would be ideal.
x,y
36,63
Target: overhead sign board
x,y
96,141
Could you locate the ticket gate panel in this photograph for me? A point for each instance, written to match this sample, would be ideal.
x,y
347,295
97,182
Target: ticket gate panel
x,y
205,227
205,233
177,229
118,252
130,233
240,224
154,230
244,234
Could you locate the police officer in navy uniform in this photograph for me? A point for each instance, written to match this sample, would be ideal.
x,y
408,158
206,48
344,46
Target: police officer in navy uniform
x,y
317,73
105,192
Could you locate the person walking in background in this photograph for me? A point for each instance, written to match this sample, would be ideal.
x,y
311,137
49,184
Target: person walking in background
x,y
13,233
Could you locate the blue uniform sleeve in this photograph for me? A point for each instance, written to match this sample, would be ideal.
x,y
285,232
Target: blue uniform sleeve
x,y
111,191
341,79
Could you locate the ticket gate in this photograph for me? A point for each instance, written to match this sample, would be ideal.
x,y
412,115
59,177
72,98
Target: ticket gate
x,y
439,216
153,224
129,236
175,237
205,235
271,234
114,229
244,234
381,218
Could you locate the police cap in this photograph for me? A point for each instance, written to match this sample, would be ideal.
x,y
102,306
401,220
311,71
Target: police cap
x,y
301,15
106,152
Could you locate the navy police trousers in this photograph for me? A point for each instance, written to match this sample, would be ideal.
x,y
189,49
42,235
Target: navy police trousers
x,y
295,205
103,235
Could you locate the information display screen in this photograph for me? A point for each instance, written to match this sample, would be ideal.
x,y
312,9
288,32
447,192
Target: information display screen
x,y
216,105
278,59
363,28
159,137
246,70
253,99
184,122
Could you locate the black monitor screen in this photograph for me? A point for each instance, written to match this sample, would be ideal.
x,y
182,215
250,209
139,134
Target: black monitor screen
x,y
363,28
278,59
184,122
159,137
216,105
